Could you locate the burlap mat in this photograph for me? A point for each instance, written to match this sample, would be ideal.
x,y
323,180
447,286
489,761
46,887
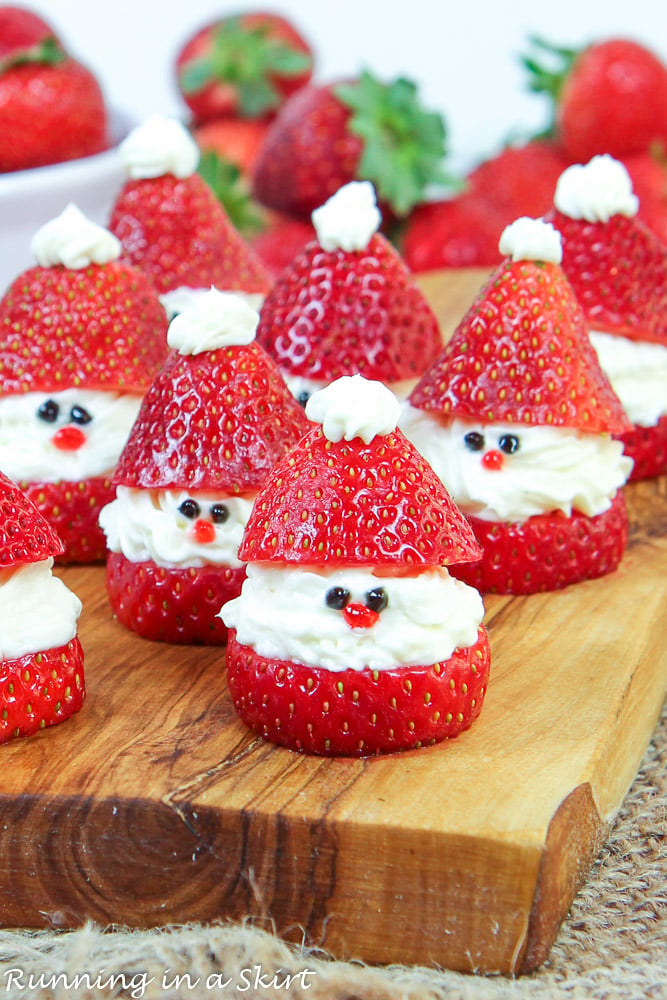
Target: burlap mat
x,y
612,945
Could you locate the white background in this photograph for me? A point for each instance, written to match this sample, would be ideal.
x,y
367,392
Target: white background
x,y
463,55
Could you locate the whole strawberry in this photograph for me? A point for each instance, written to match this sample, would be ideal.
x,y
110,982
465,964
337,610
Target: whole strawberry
x,y
52,108
170,223
610,97
242,66
41,659
462,231
350,637
361,129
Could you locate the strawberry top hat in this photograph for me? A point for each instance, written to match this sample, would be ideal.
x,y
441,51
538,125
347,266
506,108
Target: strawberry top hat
x,y
170,223
41,660
348,304
366,644
618,270
213,424
81,337
516,417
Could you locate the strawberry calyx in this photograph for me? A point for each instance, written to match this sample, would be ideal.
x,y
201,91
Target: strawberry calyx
x,y
548,79
47,52
248,58
403,143
233,192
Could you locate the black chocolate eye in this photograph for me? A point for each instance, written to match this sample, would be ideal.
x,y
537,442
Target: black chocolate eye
x,y
79,416
219,513
190,508
48,411
509,443
474,440
376,599
337,598
302,398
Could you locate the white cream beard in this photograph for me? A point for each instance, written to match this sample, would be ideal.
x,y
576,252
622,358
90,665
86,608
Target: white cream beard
x,y
282,613
37,610
303,388
554,468
146,525
637,371
27,453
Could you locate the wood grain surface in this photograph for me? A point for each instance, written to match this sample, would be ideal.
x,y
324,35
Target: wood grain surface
x,y
156,805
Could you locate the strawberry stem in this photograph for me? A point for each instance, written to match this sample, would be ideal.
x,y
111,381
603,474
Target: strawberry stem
x,y
548,79
48,52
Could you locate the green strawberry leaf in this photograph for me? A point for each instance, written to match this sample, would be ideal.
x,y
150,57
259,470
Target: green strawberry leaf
x,y
232,191
48,52
547,70
404,145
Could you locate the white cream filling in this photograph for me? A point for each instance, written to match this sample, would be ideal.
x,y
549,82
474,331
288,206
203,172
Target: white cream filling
x,y
303,388
74,241
596,190
147,525
554,468
282,613
27,449
637,371
37,610
184,298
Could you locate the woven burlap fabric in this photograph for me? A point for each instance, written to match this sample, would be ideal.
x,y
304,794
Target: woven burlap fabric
x,y
612,945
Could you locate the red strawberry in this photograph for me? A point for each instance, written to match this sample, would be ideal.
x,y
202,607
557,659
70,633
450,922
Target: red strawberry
x,y
280,240
357,713
648,172
342,310
51,107
460,232
73,508
25,536
546,552
235,140
647,447
326,136
611,97
40,689
243,65
519,180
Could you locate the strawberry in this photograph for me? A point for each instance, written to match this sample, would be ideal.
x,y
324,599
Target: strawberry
x,y
242,66
516,403
169,222
351,518
280,240
457,232
51,106
72,508
328,135
213,424
611,97
519,180
648,172
38,688
232,189
647,447
235,140
357,713
343,307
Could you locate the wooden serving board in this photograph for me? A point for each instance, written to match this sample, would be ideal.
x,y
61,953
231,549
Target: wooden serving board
x,y
156,805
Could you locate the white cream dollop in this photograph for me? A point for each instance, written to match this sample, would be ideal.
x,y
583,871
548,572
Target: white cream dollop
x,y
213,320
348,219
553,468
596,190
637,371
159,146
531,239
38,612
147,525
282,613
27,449
71,239
354,406
182,299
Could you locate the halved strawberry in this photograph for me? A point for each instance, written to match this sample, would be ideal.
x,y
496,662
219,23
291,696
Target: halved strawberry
x,y
357,712
546,552
25,535
73,509
177,605
40,689
647,447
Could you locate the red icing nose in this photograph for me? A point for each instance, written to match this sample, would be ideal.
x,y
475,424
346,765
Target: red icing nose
x,y
203,531
359,616
492,460
69,438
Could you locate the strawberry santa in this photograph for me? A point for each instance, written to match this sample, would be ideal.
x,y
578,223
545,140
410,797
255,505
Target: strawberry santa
x,y
213,424
172,226
41,659
81,337
618,270
350,636
516,417
348,304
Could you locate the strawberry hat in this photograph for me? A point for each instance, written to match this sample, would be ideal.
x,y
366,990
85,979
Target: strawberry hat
x,y
218,416
521,354
25,535
348,303
355,491
169,221
80,318
615,264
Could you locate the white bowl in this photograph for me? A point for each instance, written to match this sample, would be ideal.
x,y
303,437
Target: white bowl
x,y
29,198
